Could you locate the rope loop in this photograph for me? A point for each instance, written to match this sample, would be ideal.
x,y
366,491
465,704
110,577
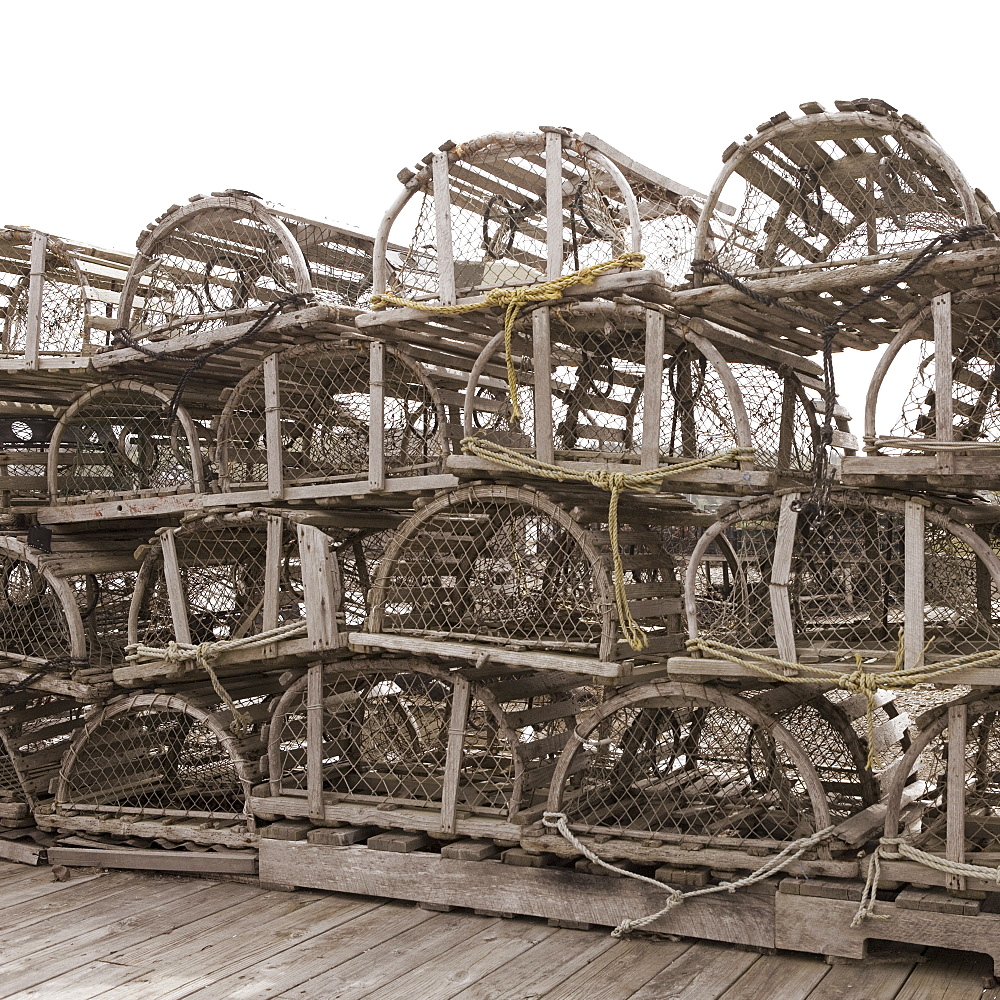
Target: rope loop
x,y
513,301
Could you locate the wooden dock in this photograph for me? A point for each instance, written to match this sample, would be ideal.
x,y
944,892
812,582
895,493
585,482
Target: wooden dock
x,y
137,936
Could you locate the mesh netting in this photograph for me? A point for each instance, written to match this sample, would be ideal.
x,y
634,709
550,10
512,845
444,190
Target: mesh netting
x,y
673,764
324,405
24,443
835,192
104,600
33,616
66,299
668,233
221,259
121,438
846,584
498,216
155,756
975,368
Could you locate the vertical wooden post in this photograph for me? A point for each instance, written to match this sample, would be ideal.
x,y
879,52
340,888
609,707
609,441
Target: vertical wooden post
x,y
376,417
458,721
442,224
781,608
944,429
320,585
652,389
272,578
955,820
272,429
913,584
36,288
786,425
553,204
314,740
175,587
541,349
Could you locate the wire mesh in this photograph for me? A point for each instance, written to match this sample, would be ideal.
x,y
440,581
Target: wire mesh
x,y
33,617
104,600
24,443
121,438
159,758
324,393
846,581
220,260
498,216
975,368
680,765
834,194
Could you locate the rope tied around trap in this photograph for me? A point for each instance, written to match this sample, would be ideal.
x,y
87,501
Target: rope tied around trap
x,y
205,653
513,301
898,848
612,482
791,852
858,681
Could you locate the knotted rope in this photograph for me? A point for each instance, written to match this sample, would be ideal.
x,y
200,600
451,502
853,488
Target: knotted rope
x,y
791,852
205,652
858,681
614,483
513,300
907,851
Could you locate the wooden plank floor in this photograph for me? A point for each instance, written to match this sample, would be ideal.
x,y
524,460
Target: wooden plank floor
x,y
137,936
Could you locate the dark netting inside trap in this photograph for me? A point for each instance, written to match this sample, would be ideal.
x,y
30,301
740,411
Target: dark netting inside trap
x,y
123,438
805,198
33,619
324,394
104,600
667,233
676,767
498,217
155,761
846,582
493,567
358,556
975,375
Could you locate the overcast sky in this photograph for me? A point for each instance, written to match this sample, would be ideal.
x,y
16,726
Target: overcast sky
x,y
114,111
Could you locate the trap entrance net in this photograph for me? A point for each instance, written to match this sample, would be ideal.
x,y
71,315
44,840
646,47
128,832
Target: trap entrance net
x,y
834,187
223,259
125,437
845,574
325,413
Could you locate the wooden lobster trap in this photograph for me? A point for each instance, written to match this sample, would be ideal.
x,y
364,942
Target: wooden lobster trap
x,y
230,580
332,417
831,203
398,740
631,388
526,578
125,438
165,766
946,432
219,261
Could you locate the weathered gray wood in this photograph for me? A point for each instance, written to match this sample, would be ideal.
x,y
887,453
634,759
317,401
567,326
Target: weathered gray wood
x,y
781,609
443,234
652,389
164,861
175,587
314,740
955,819
944,429
553,204
272,427
36,290
542,892
320,585
541,349
457,724
376,417
913,584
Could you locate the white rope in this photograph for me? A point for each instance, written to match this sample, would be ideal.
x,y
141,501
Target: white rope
x,y
791,852
175,652
933,445
906,850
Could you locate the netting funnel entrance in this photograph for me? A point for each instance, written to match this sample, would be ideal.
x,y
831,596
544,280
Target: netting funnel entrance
x,y
122,437
325,405
682,762
508,566
157,757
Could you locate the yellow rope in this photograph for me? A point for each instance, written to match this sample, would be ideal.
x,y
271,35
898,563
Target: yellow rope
x,y
513,300
858,681
615,483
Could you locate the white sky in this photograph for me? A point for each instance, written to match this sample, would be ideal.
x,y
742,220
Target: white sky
x,y
117,110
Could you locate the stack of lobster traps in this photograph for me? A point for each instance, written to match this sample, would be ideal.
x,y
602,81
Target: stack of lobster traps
x,y
521,554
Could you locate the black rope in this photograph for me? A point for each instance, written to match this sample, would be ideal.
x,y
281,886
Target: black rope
x,y
121,334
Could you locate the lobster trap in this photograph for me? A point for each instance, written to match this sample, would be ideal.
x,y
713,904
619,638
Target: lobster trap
x,y
447,750
220,260
892,580
165,766
331,413
233,577
125,438
503,569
